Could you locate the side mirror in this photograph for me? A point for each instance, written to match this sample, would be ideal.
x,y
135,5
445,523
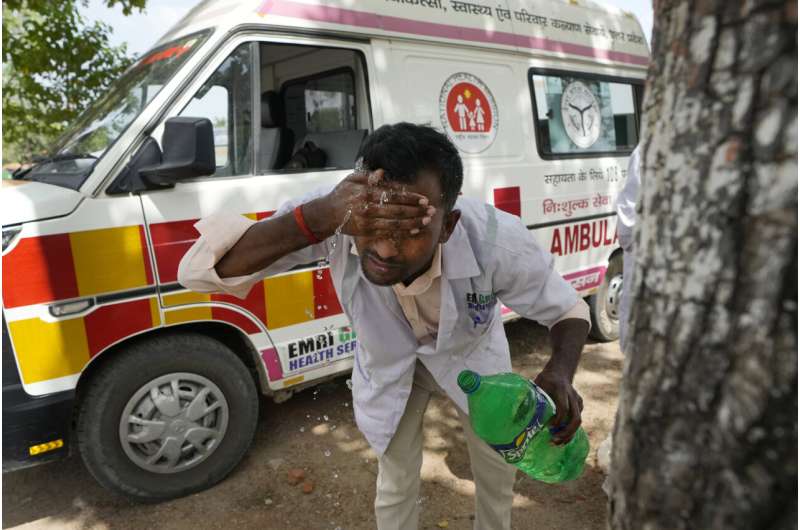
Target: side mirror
x,y
188,151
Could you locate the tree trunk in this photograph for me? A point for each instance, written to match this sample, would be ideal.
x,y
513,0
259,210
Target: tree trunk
x,y
706,432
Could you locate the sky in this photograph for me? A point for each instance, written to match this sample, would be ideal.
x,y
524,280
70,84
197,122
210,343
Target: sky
x,y
141,30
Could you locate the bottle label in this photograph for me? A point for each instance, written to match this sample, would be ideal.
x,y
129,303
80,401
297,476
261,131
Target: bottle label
x,y
514,451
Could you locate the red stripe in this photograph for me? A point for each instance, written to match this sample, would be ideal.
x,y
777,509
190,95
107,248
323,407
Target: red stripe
x,y
230,316
264,215
507,199
351,17
39,269
170,242
111,323
254,304
148,266
326,303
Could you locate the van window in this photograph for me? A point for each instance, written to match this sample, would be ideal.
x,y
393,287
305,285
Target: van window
x,y
314,108
322,103
226,99
583,115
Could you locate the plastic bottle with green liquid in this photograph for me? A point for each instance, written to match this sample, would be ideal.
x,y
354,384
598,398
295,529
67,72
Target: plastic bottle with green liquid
x,y
511,414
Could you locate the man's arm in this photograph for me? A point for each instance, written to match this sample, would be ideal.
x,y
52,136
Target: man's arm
x,y
527,282
356,200
232,252
567,338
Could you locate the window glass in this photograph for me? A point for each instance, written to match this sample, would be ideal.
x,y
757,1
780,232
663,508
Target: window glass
x,y
324,103
214,106
226,100
584,115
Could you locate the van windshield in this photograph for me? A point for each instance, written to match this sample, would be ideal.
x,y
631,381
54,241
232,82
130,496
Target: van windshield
x,y
91,135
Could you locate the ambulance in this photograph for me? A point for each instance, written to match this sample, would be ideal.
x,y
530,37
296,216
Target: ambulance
x,y
158,387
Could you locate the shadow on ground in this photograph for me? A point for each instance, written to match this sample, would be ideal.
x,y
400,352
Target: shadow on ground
x,y
315,431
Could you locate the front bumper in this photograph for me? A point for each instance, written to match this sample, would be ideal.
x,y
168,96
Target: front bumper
x,y
31,420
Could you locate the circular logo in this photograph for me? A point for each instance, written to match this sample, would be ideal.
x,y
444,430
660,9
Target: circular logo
x,y
468,112
580,113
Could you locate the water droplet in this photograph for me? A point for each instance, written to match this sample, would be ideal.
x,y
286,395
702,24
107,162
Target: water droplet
x,y
349,384
327,452
383,200
309,314
325,417
302,429
318,418
333,428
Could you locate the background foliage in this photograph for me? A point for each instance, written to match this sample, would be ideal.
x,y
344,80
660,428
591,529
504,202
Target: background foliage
x,y
55,63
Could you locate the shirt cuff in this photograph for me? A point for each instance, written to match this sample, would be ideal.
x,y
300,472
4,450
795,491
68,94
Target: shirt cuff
x,y
580,310
222,230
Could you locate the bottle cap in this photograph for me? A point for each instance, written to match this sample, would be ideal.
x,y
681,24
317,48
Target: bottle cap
x,y
469,381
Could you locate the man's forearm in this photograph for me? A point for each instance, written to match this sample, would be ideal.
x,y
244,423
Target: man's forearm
x,y
567,338
268,241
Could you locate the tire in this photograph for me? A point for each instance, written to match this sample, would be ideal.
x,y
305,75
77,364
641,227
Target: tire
x,y
604,305
212,436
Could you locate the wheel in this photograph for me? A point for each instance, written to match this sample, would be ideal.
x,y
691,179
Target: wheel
x,y
167,417
604,305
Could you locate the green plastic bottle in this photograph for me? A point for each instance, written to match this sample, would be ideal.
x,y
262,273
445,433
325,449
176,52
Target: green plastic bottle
x,y
511,414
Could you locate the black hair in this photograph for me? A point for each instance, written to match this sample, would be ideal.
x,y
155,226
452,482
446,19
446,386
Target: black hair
x,y
404,149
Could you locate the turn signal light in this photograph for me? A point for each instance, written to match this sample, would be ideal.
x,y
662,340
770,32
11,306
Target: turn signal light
x,y
43,448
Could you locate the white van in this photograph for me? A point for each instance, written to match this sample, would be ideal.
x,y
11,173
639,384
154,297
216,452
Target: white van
x,y
103,348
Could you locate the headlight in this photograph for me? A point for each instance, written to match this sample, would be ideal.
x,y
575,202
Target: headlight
x,y
9,234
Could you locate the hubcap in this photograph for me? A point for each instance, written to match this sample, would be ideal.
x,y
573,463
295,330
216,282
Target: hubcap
x,y
614,296
173,422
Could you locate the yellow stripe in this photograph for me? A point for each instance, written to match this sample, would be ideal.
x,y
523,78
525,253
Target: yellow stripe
x,y
47,350
108,260
155,312
252,216
290,299
293,381
188,297
188,314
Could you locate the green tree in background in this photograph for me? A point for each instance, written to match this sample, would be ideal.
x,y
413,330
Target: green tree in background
x,y
55,63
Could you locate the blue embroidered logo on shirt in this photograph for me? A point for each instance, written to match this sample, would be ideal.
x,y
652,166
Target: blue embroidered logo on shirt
x,y
480,307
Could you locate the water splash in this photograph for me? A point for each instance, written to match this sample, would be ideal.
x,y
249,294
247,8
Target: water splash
x,y
349,384
325,417
327,452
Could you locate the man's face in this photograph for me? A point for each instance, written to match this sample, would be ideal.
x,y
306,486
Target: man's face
x,y
403,258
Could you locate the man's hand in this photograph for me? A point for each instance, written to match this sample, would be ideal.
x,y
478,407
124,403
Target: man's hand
x,y
567,338
569,405
366,205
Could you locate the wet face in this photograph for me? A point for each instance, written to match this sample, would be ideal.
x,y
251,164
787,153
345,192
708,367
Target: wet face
x,y
405,257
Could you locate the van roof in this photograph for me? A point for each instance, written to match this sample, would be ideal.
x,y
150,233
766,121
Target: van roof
x,y
562,28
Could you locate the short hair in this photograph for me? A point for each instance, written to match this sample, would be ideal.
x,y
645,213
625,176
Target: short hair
x,y
404,149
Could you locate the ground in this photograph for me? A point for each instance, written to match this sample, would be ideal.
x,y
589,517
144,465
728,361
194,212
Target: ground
x,y
315,431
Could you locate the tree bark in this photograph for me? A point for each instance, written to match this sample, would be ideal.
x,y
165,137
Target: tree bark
x,y
706,431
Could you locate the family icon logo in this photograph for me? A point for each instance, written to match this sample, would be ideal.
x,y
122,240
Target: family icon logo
x,y
468,112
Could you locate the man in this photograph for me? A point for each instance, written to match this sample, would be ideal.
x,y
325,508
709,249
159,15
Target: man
x,y
420,276
626,221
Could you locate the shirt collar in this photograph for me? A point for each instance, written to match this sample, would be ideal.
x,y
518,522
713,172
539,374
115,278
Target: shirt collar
x,y
423,282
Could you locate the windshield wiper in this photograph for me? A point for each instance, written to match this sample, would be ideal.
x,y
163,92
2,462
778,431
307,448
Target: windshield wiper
x,y
39,161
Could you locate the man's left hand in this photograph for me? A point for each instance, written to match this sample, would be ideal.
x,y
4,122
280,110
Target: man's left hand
x,y
569,404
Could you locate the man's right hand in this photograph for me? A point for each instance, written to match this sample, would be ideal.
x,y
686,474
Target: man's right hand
x,y
365,205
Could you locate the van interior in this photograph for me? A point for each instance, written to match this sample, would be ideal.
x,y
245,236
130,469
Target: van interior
x,y
311,102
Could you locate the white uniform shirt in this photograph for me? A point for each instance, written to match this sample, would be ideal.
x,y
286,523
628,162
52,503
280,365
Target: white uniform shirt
x,y
490,256
626,221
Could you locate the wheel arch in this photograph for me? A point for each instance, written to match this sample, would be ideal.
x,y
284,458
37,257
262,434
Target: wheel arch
x,y
228,334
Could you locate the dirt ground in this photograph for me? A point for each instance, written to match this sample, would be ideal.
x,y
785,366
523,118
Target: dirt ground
x,y
315,431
